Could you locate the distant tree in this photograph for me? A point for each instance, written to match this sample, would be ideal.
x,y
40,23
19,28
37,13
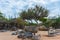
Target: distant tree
x,y
56,23
21,23
48,23
2,17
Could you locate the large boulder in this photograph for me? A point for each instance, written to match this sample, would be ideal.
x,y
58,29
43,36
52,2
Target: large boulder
x,y
32,29
43,28
51,32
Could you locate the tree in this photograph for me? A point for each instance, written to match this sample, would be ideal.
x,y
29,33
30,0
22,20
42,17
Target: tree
x,y
48,23
3,17
36,13
40,12
56,23
21,22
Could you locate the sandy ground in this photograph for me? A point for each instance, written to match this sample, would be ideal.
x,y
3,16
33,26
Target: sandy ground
x,y
8,36
44,36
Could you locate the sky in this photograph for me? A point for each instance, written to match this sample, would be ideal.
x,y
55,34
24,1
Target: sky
x,y
11,8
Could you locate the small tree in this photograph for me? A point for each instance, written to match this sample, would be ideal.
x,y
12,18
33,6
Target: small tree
x,y
21,23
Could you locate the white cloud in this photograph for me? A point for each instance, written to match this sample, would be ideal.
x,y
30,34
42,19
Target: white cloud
x,y
9,7
54,0
55,12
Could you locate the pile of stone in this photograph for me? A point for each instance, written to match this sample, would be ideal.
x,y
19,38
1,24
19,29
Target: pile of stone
x,y
51,32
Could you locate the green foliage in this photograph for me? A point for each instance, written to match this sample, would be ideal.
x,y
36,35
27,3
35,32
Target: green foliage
x,y
43,19
3,18
32,24
21,21
34,13
56,24
52,22
48,23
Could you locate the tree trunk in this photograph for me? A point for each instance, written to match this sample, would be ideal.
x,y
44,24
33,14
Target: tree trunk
x,y
31,21
36,22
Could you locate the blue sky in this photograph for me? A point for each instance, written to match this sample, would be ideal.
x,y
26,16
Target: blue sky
x,y
13,7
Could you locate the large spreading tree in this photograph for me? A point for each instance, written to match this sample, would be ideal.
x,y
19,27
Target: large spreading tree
x,y
36,13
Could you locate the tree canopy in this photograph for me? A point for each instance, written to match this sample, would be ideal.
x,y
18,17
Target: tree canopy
x,y
36,13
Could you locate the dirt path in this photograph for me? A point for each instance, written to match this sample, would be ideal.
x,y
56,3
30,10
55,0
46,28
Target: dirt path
x,y
8,36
